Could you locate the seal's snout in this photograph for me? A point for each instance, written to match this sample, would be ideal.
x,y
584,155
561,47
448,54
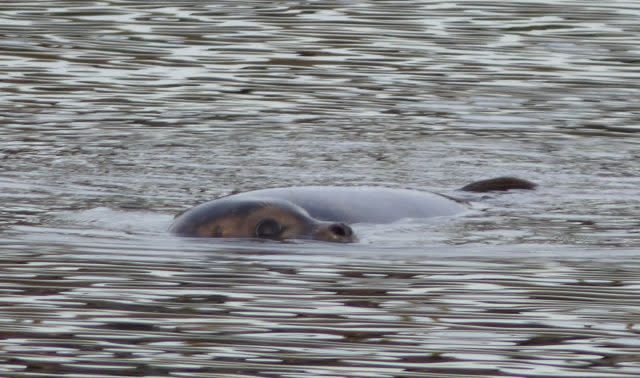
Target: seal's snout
x,y
335,232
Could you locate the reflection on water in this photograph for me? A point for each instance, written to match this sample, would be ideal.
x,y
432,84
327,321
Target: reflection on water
x,y
174,306
115,115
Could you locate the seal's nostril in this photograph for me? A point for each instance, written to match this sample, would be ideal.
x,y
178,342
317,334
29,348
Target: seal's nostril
x,y
341,229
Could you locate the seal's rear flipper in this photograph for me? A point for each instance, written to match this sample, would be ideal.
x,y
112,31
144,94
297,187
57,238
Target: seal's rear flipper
x,y
498,183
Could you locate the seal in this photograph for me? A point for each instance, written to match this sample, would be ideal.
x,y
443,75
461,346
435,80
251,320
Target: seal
x,y
321,212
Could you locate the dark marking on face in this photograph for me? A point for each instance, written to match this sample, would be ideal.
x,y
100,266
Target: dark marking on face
x,y
218,231
269,228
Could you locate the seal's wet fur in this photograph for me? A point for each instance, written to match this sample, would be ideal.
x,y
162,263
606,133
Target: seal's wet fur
x,y
321,212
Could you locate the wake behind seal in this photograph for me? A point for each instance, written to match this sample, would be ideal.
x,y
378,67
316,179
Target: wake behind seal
x,y
321,212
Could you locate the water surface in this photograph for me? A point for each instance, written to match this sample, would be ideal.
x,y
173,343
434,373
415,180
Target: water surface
x,y
115,115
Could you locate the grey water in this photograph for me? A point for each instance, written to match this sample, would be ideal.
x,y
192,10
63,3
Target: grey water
x,y
116,114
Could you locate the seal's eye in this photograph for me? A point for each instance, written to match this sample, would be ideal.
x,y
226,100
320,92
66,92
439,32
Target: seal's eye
x,y
268,229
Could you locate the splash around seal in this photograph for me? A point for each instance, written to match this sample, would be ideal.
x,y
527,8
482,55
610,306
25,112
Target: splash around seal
x,y
320,212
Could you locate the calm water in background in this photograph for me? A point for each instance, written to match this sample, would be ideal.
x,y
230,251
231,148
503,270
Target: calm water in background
x,y
115,115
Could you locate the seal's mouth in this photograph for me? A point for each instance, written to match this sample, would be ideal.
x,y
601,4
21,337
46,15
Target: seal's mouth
x,y
335,232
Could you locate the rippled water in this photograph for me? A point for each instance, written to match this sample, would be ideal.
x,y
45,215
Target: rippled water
x,y
115,115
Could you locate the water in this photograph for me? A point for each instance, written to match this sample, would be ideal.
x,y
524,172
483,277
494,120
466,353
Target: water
x,y
115,115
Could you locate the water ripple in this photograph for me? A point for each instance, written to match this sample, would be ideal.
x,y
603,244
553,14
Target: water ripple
x,y
116,115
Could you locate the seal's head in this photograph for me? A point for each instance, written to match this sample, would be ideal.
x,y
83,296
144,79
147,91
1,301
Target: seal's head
x,y
257,218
